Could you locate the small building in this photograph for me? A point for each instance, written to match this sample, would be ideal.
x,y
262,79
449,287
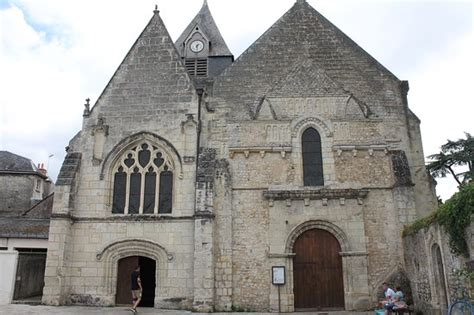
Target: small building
x,y
22,184
25,211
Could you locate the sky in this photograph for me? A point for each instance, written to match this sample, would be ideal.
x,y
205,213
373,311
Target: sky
x,y
54,54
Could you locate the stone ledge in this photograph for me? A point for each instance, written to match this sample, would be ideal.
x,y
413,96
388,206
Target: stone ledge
x,y
315,194
370,148
132,218
283,150
323,194
281,255
351,254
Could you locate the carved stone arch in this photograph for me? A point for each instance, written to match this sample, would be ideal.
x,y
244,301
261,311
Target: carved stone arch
x,y
110,255
337,232
316,123
126,143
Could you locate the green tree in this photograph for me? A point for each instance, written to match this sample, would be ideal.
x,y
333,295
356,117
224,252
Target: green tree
x,y
456,215
454,154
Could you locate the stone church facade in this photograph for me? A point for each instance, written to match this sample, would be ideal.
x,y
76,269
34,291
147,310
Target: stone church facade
x,y
302,153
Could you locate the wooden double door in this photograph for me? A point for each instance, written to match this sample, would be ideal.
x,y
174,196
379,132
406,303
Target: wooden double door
x,y
147,275
318,280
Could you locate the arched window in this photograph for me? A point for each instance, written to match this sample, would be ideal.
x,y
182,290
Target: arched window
x,y
143,181
312,158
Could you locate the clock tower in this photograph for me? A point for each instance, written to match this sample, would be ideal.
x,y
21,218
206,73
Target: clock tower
x,y
202,48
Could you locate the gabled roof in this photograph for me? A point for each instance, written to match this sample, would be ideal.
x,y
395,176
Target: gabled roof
x,y
208,26
152,71
301,35
13,163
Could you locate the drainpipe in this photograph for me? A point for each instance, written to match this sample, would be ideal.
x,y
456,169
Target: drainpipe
x,y
200,92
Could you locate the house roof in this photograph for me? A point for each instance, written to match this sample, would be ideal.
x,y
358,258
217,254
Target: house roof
x,y
208,26
24,228
33,223
15,164
303,36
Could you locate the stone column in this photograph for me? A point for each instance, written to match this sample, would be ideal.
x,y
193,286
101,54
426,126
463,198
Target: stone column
x,y
56,288
223,237
203,250
356,281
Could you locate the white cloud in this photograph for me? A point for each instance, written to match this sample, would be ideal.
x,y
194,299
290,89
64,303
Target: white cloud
x,y
441,97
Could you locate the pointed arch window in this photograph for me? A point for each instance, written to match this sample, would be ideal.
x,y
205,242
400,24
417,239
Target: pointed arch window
x,y
143,181
312,158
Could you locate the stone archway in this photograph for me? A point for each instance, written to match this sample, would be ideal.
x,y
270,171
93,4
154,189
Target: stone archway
x,y
112,253
148,280
317,271
318,224
354,263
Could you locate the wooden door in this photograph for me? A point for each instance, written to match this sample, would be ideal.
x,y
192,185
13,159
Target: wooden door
x,y
125,267
318,282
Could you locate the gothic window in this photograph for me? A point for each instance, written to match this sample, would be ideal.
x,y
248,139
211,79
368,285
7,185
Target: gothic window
x,y
143,181
312,158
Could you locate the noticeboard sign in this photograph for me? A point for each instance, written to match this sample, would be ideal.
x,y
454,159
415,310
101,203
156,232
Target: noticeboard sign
x,y
278,275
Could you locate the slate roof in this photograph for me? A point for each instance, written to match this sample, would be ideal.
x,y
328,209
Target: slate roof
x,y
15,164
24,228
208,26
304,36
33,223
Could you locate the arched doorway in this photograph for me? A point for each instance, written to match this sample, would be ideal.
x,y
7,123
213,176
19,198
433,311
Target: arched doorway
x,y
147,274
440,284
318,280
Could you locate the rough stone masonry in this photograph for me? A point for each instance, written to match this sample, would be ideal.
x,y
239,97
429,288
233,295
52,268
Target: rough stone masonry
x,y
198,162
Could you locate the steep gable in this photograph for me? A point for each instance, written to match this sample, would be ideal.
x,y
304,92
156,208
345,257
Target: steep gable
x,y
151,73
303,35
207,25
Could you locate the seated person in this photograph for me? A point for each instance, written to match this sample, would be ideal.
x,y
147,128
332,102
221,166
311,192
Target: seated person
x,y
388,293
400,303
396,302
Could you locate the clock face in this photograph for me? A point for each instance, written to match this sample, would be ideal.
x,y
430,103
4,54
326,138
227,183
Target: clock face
x,y
197,46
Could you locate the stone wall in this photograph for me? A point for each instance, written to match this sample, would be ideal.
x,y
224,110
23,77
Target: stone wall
x,y
17,193
431,267
239,205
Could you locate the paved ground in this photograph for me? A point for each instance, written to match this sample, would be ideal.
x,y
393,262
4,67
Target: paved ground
x,y
23,309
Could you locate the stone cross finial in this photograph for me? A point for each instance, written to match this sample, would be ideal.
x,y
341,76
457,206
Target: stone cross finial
x,y
156,11
87,107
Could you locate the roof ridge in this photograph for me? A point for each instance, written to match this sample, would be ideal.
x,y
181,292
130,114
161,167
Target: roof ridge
x,y
351,42
238,60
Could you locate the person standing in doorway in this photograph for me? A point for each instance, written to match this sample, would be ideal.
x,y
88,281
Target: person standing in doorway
x,y
136,286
